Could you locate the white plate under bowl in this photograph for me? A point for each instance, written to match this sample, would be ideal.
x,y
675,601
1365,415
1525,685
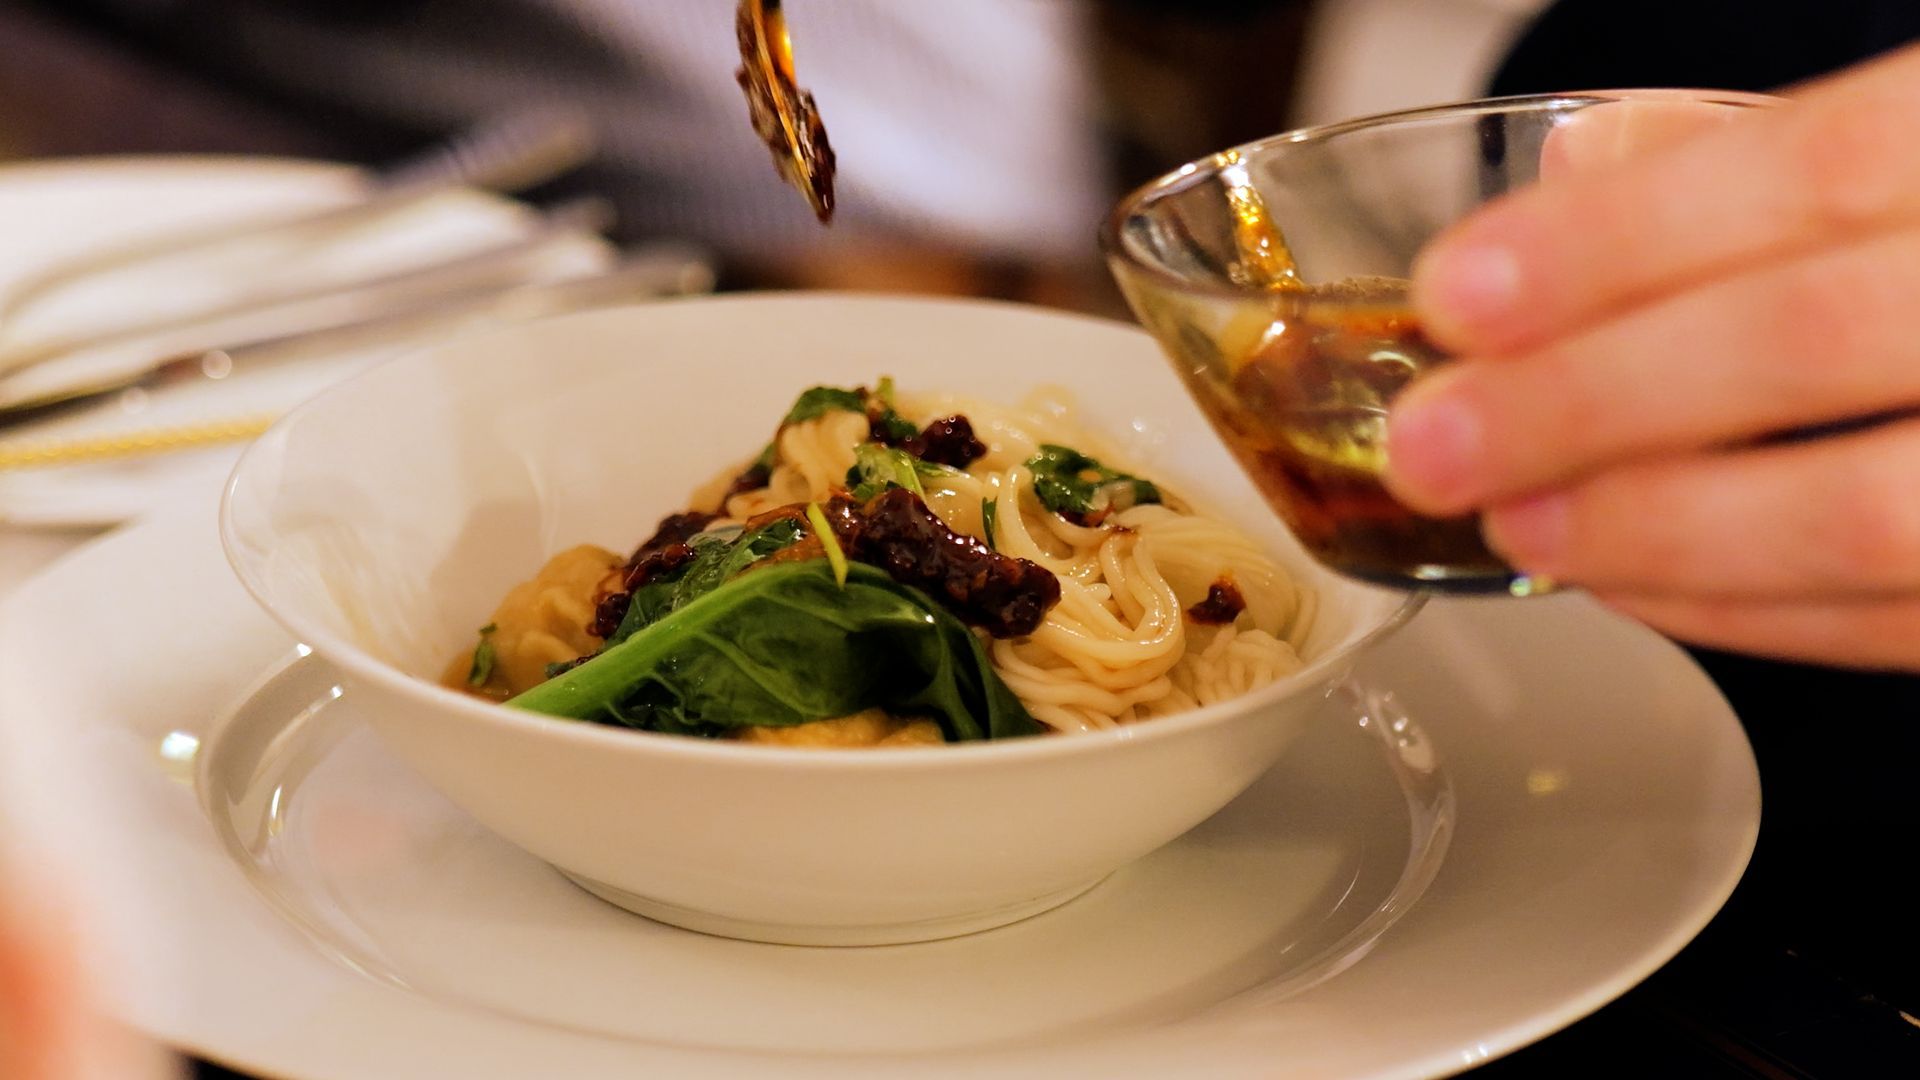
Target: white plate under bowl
x,y
1605,804
391,879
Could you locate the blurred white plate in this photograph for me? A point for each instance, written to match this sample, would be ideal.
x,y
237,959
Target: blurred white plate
x,y
337,919
50,212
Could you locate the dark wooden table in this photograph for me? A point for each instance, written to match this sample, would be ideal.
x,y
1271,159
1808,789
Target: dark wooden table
x,y
1812,971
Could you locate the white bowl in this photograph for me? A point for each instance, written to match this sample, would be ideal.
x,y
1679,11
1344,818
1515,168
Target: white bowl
x,y
383,521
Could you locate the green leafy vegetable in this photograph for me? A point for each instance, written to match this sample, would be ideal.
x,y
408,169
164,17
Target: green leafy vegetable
x,y
890,427
877,468
787,644
829,543
483,657
989,518
1075,485
718,557
821,400
886,425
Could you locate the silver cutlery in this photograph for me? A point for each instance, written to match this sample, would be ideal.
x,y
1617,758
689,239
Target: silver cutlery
x,y
497,265
649,272
508,154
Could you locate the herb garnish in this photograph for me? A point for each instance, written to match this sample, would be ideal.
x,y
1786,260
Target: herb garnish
x,y
886,425
483,658
1080,489
821,400
829,543
877,468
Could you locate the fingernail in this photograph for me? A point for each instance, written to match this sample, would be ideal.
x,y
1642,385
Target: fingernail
x,y
1530,533
1434,448
1471,285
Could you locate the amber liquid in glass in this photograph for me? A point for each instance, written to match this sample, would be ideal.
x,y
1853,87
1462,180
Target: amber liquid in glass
x,y
1296,377
1305,412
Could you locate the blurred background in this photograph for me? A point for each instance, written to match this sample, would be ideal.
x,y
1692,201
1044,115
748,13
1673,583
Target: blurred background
x,y
979,143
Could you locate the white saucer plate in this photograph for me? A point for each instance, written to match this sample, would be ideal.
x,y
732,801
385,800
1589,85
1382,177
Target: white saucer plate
x,y
317,911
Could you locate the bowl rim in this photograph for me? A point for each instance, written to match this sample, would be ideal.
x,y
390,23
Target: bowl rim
x,y
1114,246
357,662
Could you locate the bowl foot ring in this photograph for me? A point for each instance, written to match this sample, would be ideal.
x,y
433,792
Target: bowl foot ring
x,y
791,934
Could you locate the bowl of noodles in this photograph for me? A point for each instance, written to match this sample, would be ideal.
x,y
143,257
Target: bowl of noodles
x,y
810,619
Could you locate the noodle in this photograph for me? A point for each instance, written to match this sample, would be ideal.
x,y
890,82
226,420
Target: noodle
x,y
813,457
1119,646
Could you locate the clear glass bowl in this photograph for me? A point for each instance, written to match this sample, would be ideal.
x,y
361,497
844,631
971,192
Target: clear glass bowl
x,y
1296,373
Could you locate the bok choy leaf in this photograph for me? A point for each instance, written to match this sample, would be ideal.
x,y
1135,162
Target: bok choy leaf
x,y
786,644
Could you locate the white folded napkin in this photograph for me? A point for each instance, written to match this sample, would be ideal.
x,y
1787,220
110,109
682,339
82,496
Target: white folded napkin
x,y
128,199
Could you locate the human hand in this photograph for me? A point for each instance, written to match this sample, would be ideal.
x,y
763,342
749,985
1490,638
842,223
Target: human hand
x,y
50,1028
52,952
1639,328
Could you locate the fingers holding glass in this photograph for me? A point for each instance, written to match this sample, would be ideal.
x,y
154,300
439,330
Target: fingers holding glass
x,y
1833,518
1813,341
1613,133
1838,163
1874,633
